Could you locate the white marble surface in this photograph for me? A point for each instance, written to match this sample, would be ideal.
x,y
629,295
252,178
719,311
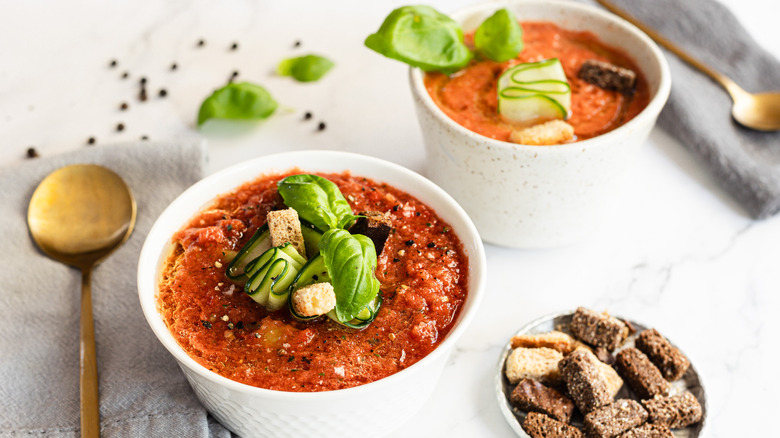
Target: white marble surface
x,y
680,255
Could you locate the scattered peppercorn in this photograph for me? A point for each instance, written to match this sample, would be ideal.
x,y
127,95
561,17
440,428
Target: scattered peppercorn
x,y
396,207
409,242
125,75
174,66
91,140
307,115
120,127
201,43
297,44
206,324
143,80
321,126
234,46
32,152
123,106
142,95
235,73
163,92
144,137
396,260
431,245
113,63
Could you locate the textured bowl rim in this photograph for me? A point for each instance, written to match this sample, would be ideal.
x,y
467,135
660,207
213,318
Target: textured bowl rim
x,y
651,111
158,240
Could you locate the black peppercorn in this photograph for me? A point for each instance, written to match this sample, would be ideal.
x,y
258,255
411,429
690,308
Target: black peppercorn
x,y
307,116
174,66
409,242
32,152
201,43
120,127
144,137
142,95
91,140
163,92
321,126
143,80
123,106
125,75
234,46
297,44
113,63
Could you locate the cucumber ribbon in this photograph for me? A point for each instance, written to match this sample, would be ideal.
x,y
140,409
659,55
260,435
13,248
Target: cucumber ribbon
x,y
534,91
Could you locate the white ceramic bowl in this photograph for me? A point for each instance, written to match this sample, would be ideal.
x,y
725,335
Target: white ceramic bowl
x,y
540,196
377,407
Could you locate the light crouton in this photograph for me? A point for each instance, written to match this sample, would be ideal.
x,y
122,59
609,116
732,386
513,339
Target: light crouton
x,y
547,133
556,340
314,299
539,364
285,227
611,377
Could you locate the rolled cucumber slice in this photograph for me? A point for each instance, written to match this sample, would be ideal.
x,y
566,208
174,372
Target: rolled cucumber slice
x,y
536,90
256,246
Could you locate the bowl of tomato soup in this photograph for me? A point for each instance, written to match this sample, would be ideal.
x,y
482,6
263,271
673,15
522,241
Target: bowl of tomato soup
x,y
526,195
263,373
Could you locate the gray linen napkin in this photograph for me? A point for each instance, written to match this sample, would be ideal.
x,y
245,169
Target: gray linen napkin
x,y
746,163
142,391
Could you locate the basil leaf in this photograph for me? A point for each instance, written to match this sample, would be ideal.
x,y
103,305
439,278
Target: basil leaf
x,y
317,200
500,37
421,37
240,101
305,68
350,261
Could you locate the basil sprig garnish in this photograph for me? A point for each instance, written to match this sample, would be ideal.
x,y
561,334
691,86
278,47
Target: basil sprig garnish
x,y
500,37
306,68
317,200
422,37
237,101
350,260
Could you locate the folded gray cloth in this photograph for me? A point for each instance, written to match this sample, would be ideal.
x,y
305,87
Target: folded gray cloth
x,y
142,391
746,163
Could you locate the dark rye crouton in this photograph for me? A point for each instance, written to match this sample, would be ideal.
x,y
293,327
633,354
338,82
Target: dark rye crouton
x,y
642,376
669,360
532,396
375,225
598,329
615,418
586,385
648,430
674,412
541,426
607,76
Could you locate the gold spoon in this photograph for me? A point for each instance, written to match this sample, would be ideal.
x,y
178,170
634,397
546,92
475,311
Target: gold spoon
x,y
759,111
78,215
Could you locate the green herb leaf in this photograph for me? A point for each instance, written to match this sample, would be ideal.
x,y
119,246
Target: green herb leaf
x,y
351,262
240,101
305,68
500,37
421,37
317,200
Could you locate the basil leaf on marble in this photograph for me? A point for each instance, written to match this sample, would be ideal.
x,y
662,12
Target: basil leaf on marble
x,y
350,260
499,37
306,68
237,101
421,37
316,200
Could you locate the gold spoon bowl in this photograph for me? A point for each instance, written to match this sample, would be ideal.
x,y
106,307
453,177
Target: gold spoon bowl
x,y
78,215
759,111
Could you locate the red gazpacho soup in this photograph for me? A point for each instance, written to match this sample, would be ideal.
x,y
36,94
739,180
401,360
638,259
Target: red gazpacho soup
x,y
422,269
470,98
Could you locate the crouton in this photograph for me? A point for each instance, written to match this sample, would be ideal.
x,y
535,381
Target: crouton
x,y
375,225
584,381
556,340
538,425
547,133
611,377
598,329
285,227
314,299
607,76
533,363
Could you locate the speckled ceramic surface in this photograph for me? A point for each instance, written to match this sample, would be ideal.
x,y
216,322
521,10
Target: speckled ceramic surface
x,y
380,406
540,196
691,381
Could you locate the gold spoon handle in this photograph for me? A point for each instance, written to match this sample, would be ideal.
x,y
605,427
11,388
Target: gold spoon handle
x,y
90,408
724,81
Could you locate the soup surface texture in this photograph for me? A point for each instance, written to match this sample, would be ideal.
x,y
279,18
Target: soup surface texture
x,y
469,97
423,271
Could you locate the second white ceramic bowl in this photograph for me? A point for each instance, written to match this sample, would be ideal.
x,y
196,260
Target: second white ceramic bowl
x,y
373,409
540,196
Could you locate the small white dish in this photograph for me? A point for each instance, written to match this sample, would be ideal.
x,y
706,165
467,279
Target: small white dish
x,y
560,321
541,196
